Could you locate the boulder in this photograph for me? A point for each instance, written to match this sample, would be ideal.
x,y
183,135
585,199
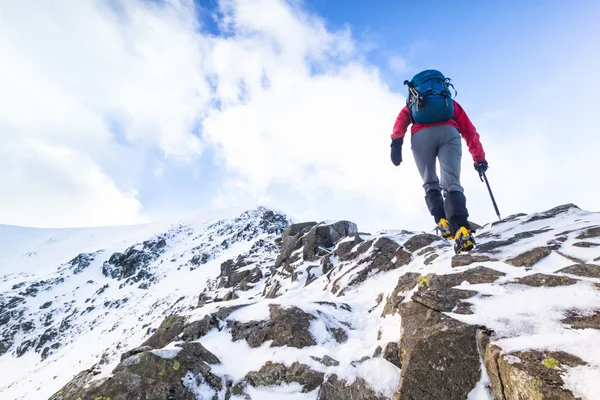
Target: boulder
x,y
526,375
419,241
291,238
544,280
276,374
439,356
147,376
324,236
529,258
405,284
586,270
167,331
286,327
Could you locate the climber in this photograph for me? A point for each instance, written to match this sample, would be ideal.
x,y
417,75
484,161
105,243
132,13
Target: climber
x,y
438,122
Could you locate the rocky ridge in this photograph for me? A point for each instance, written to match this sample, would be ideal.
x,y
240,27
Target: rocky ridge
x,y
321,311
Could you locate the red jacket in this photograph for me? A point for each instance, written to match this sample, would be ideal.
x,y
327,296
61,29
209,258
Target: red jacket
x,y
459,120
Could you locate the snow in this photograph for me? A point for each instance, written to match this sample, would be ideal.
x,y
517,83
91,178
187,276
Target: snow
x,y
523,318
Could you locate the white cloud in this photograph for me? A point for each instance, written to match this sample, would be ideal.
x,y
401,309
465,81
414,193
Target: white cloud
x,y
78,80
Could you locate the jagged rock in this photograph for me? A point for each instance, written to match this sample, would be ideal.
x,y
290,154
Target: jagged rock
x,y
442,300
45,305
391,352
24,347
544,280
385,256
439,355
587,270
577,321
585,245
135,351
336,389
526,375
430,259
326,361
200,259
230,296
473,276
326,264
339,334
464,308
553,212
493,245
271,291
405,284
377,352
275,374
166,332
81,262
147,376
292,240
529,258
461,260
197,329
419,241
589,233
286,327
344,249
510,218
133,263
325,236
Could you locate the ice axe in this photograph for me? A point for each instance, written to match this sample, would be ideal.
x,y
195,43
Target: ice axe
x,y
483,178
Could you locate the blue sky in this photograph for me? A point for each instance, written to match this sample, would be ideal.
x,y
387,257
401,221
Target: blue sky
x,y
151,110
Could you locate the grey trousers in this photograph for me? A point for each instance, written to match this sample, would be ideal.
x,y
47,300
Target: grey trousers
x,y
442,143
438,142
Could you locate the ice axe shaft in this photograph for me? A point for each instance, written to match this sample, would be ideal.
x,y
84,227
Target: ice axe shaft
x,y
483,178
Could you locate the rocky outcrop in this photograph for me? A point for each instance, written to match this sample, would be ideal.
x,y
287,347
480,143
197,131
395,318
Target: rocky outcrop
x,y
149,376
132,265
586,270
324,236
286,327
170,327
275,374
336,389
526,375
440,359
529,258
420,241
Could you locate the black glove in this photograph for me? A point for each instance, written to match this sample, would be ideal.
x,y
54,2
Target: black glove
x,y
397,151
481,166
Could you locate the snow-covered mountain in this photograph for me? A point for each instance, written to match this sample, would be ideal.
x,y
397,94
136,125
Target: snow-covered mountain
x,y
251,306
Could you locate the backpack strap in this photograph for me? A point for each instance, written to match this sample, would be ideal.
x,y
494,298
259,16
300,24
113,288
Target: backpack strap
x,y
409,102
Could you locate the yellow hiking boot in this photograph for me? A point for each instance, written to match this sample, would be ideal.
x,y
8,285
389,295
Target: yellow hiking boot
x,y
463,241
444,228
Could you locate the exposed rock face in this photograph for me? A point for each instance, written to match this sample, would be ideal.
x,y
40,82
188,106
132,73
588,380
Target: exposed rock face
x,y
543,280
526,375
589,233
337,389
587,270
166,332
286,327
419,241
292,240
323,236
405,284
391,352
132,265
529,258
275,374
461,260
439,356
553,212
578,321
148,376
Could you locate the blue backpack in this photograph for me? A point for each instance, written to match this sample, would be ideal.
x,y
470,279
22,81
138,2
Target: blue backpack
x,y
429,99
